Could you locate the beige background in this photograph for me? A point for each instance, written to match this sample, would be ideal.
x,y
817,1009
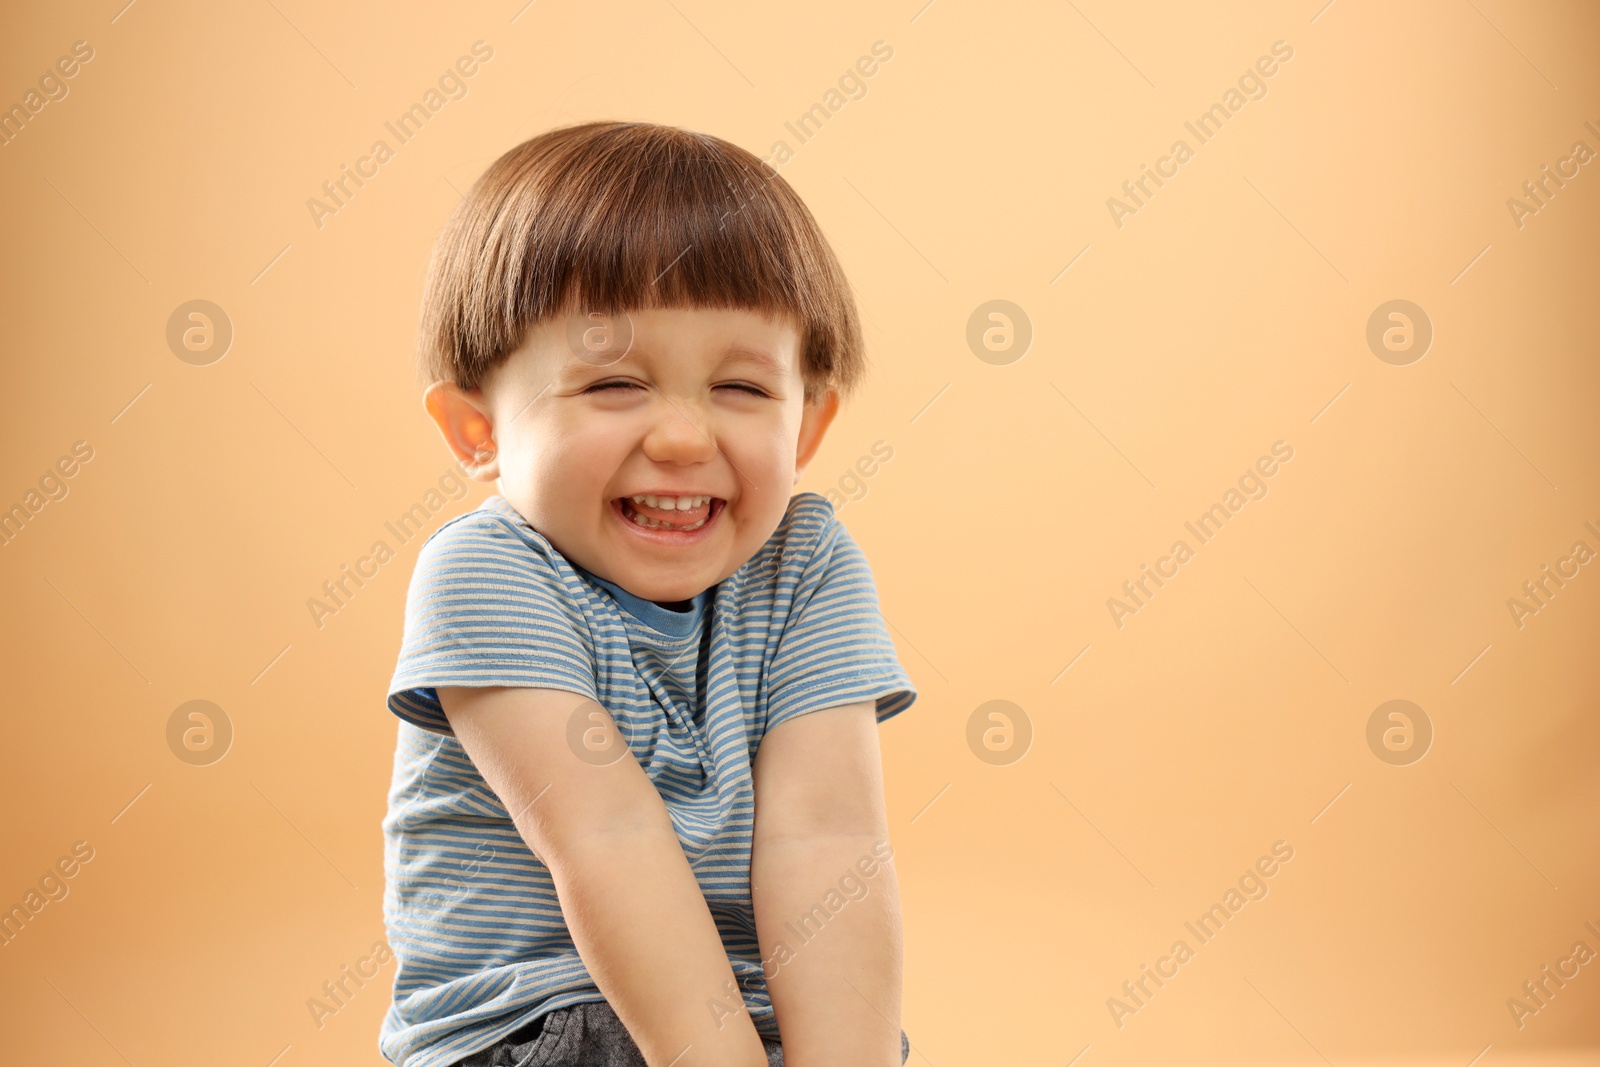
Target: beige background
x,y
1230,312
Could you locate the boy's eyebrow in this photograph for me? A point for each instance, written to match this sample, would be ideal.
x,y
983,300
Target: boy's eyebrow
x,y
736,353
760,357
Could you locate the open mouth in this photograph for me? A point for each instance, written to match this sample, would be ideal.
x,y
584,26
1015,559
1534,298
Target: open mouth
x,y
669,520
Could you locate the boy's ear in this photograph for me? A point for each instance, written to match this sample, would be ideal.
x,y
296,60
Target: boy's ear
x,y
465,426
814,421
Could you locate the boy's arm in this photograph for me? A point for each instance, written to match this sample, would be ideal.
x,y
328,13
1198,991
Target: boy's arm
x,y
630,900
819,813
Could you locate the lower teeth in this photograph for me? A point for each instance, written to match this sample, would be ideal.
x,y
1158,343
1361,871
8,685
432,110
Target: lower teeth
x,y
655,524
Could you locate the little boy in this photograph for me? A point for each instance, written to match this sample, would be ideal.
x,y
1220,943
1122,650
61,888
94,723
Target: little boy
x,y
637,811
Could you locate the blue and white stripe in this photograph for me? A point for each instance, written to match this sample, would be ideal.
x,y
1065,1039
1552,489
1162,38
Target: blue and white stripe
x,y
472,915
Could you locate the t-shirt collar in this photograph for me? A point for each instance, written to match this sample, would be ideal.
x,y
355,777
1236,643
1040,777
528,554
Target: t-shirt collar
x,y
653,615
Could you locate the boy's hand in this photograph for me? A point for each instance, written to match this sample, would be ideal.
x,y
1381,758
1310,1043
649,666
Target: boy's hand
x,y
631,903
820,827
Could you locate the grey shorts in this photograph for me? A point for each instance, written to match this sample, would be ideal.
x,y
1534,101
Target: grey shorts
x,y
587,1035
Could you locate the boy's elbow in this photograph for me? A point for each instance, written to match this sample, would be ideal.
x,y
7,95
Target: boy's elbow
x,y
819,831
572,836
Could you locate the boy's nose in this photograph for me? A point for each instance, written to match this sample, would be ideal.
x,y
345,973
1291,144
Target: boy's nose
x,y
681,432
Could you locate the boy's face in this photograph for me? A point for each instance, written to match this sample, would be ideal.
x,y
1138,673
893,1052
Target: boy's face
x,y
703,403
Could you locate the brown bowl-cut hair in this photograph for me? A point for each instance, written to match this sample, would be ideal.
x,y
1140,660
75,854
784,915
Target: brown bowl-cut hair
x,y
614,216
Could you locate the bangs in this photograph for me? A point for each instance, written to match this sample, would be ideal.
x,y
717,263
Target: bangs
x,y
610,217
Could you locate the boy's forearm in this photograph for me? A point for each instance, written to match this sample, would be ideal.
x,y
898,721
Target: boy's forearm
x,y
641,925
836,994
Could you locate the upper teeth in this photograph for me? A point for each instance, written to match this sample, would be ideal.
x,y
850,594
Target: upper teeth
x,y
671,503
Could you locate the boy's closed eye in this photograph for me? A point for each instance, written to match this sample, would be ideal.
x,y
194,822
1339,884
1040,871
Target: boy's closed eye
x,y
753,390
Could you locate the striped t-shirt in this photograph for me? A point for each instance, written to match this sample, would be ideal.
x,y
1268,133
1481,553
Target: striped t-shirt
x,y
472,915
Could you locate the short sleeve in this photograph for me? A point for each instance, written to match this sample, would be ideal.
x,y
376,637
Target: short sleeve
x,y
487,608
835,648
